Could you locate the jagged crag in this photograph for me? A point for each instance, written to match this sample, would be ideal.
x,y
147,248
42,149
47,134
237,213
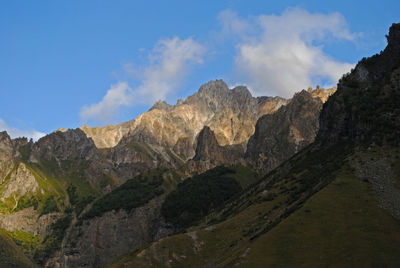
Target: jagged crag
x,y
220,179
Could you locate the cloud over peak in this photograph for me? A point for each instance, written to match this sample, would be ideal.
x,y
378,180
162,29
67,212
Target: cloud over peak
x,y
278,54
169,62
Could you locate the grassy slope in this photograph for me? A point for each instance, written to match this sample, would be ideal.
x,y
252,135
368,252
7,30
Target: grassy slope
x,y
11,255
341,226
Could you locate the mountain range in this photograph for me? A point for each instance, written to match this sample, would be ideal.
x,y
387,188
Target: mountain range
x,y
220,179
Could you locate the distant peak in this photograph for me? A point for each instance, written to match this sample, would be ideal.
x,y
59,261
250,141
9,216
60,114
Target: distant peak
x,y
61,129
4,135
214,86
161,105
242,90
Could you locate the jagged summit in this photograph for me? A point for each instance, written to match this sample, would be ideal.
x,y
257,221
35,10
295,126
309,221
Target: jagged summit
x,y
230,113
161,105
214,87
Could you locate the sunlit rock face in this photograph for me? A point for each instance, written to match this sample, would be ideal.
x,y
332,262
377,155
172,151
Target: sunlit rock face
x,y
230,113
280,135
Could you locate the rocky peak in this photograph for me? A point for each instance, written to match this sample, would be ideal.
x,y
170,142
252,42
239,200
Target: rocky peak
x,y
322,94
210,96
242,92
210,154
366,104
213,88
108,136
72,144
280,135
162,105
5,140
18,142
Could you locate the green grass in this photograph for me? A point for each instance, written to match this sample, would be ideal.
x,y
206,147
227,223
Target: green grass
x,y
10,254
48,187
244,175
341,226
26,241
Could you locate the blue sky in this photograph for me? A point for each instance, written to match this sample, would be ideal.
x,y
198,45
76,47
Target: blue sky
x,y
66,63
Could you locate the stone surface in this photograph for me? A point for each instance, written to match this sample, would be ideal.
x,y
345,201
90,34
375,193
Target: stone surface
x,y
280,135
28,220
6,155
365,106
210,154
20,183
230,113
99,241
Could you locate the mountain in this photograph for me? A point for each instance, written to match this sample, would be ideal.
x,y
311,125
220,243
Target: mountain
x,y
97,181
218,179
334,203
230,113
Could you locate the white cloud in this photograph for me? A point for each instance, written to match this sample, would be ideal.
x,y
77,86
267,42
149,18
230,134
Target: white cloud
x,y
117,96
15,133
277,54
169,62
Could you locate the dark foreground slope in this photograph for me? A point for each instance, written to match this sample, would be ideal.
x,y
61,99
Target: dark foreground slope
x,y
335,203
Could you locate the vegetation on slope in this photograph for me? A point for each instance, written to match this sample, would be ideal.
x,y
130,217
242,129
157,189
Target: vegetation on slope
x,y
132,194
26,241
10,254
197,196
52,242
340,225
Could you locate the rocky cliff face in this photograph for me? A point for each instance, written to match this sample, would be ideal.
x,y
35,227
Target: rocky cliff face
x,y
71,144
280,135
6,155
210,154
108,136
230,114
366,104
97,242
166,135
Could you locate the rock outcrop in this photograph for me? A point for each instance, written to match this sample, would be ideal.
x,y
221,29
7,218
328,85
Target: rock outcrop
x,y
72,144
20,183
6,155
97,242
366,104
210,154
280,135
108,136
